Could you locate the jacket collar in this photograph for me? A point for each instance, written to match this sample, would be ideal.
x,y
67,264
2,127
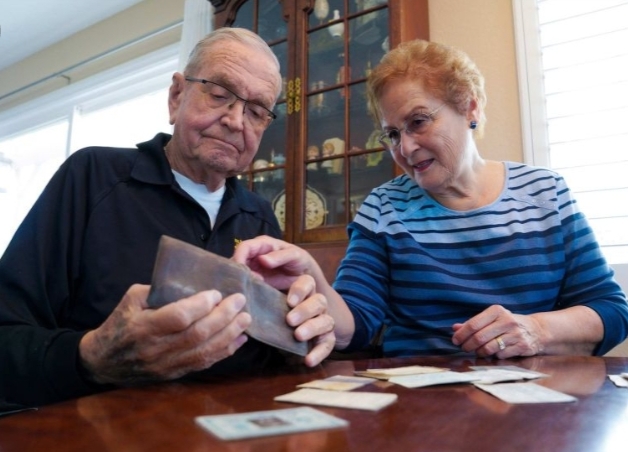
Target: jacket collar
x,y
152,167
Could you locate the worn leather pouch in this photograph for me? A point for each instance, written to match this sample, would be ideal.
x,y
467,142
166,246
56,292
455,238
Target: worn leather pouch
x,y
181,270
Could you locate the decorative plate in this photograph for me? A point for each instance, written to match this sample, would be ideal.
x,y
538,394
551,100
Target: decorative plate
x,y
315,209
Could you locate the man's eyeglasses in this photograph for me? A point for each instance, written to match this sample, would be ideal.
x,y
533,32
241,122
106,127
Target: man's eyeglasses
x,y
218,96
416,124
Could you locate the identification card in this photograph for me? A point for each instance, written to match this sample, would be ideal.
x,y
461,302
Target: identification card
x,y
267,423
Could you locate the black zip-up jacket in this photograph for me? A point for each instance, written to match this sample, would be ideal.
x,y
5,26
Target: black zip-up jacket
x,y
93,233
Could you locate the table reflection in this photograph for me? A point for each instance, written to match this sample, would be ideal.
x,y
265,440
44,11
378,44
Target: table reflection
x,y
575,375
161,417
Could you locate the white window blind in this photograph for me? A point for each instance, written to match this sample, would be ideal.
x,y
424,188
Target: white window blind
x,y
572,57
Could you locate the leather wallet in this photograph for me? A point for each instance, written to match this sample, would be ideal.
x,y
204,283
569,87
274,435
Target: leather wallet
x,y
181,270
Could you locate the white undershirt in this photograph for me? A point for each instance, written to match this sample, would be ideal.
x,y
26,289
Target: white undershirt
x,y
209,200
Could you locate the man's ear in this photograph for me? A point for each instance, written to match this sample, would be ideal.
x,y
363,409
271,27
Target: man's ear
x,y
175,95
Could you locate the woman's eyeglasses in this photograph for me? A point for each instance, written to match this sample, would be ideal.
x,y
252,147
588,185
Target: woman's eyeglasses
x,y
415,125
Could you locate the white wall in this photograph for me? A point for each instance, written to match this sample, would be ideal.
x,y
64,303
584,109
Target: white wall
x,y
141,29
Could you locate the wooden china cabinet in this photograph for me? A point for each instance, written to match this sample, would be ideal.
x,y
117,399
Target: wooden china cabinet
x,y
320,158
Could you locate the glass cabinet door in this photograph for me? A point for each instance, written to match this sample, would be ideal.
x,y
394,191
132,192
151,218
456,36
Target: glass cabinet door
x,y
343,160
267,173
320,158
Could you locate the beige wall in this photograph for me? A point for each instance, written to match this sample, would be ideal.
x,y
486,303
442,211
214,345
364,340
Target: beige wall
x,y
482,28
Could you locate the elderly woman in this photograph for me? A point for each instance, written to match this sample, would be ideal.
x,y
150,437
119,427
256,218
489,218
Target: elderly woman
x,y
460,254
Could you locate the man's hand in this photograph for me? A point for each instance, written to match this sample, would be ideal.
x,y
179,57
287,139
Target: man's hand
x,y
310,318
136,343
288,267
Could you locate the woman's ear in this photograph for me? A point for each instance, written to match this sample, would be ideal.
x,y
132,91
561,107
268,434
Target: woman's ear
x,y
473,112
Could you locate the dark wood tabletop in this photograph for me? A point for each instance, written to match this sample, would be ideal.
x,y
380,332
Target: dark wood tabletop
x,y
456,417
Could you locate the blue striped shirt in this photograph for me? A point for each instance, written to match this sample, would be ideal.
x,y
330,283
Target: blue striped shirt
x,y
419,267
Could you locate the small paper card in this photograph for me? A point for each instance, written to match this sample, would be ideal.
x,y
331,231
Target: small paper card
x,y
619,380
372,401
526,374
433,379
385,374
338,383
497,375
525,393
267,423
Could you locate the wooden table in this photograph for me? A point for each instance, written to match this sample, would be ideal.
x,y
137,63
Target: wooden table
x,y
445,418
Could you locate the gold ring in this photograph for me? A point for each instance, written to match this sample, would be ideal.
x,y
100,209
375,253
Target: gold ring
x,y
500,342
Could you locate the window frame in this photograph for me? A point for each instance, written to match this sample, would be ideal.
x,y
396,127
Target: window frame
x,y
530,77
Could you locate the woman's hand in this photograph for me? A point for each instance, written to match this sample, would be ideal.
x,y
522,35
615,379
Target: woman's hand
x,y
277,262
498,332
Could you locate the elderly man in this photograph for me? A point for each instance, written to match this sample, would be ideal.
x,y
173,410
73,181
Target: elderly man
x,y
73,314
